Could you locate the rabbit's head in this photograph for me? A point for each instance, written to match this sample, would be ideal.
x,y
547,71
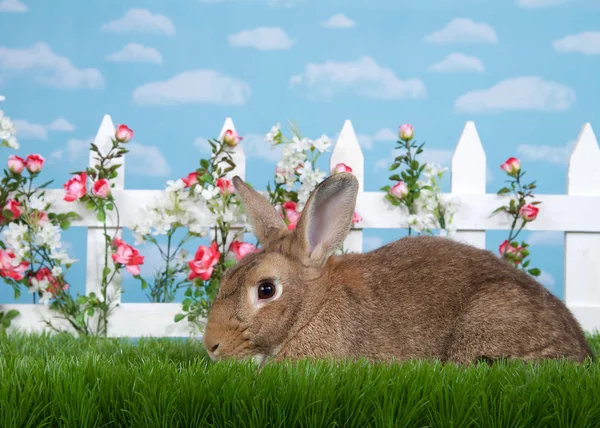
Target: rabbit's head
x,y
269,295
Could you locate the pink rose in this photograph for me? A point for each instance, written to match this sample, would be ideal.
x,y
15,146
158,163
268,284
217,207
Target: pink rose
x,y
9,267
231,138
40,217
406,132
34,163
190,179
101,188
340,167
509,249
292,215
123,134
529,212
512,166
225,186
126,255
14,207
16,164
241,249
399,190
204,262
75,188
44,278
356,218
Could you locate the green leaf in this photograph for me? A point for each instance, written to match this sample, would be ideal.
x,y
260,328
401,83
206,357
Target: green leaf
x,y
110,206
395,177
394,166
101,216
65,224
82,300
188,292
414,164
5,323
90,205
12,314
90,312
106,272
204,163
179,317
503,190
534,271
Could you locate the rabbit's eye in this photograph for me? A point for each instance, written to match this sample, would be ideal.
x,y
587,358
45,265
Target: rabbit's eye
x,y
266,290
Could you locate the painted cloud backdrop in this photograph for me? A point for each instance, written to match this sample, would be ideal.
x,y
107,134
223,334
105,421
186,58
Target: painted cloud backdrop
x,y
524,70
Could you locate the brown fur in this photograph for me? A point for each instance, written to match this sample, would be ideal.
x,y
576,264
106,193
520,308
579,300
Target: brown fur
x,y
419,297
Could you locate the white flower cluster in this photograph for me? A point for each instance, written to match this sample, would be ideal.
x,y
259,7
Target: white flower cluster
x,y
7,131
177,206
430,207
20,238
295,164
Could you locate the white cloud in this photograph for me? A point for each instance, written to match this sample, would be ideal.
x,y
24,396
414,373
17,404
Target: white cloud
x,y
33,131
384,134
546,279
141,21
546,238
262,38
490,176
544,152
339,20
587,43
438,156
135,52
146,161
76,147
534,4
194,87
37,131
363,77
518,93
52,69
464,30
61,124
14,6
458,62
371,243
254,145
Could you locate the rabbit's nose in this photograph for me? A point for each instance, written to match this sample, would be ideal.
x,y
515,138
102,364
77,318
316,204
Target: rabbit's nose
x,y
211,342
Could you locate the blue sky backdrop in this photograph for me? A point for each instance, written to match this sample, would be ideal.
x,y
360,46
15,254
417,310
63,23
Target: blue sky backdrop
x,y
526,71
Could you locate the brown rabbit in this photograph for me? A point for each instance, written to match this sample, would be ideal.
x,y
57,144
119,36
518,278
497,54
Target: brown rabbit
x,y
418,297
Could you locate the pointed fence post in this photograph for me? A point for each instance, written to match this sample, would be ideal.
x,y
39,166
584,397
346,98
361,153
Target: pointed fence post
x,y
347,150
468,176
582,249
96,241
237,153
239,159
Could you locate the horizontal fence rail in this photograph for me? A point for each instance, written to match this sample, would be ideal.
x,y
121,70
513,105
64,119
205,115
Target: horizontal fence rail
x,y
575,213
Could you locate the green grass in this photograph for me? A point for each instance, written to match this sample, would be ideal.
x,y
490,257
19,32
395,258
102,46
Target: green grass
x,y
62,381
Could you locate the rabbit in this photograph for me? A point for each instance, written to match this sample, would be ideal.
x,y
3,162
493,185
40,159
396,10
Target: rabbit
x,y
420,297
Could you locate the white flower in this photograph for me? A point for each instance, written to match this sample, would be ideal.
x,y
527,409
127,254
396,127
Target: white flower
x,y
272,134
62,257
56,271
210,192
174,186
45,297
300,145
322,143
2,98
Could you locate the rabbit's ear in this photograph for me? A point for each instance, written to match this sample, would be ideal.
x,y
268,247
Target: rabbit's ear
x,y
326,218
265,220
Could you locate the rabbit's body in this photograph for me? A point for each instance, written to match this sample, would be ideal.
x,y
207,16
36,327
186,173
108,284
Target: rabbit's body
x,y
485,311
421,297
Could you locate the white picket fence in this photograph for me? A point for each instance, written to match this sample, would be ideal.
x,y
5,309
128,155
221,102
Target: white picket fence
x,y
577,214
